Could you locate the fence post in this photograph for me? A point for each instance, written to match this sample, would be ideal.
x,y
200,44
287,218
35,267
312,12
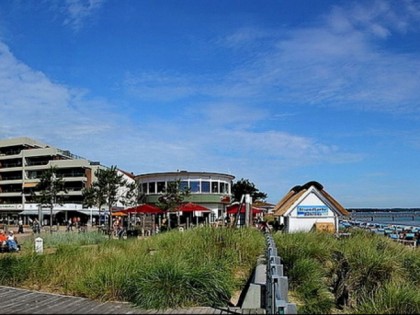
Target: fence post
x,y
277,286
39,245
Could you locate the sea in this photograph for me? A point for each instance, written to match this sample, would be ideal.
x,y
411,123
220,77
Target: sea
x,y
409,218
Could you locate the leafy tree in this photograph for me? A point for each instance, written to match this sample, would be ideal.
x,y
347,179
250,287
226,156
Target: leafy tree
x,y
109,188
51,189
243,187
172,197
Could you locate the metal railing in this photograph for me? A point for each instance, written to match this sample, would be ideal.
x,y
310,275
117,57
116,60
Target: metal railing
x,y
277,287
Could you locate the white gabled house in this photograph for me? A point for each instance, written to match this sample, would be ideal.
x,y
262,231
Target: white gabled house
x,y
309,207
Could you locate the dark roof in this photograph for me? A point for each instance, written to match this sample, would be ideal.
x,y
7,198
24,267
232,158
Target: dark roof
x,y
297,191
131,175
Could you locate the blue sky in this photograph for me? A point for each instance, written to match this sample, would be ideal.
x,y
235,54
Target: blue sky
x,y
277,92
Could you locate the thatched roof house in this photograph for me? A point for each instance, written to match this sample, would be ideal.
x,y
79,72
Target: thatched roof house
x,y
309,207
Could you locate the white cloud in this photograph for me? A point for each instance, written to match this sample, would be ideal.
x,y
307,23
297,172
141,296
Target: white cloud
x,y
77,11
70,118
337,63
41,108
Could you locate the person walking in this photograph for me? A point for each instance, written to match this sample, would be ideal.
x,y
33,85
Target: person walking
x,y
20,228
69,225
36,226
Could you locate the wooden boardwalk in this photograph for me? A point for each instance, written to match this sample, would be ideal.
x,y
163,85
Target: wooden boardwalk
x,y
22,301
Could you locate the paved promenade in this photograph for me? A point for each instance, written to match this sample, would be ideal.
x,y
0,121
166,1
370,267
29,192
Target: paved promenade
x,y
21,301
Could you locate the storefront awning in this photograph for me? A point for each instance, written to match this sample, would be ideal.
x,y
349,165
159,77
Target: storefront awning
x,y
36,212
29,185
48,211
89,212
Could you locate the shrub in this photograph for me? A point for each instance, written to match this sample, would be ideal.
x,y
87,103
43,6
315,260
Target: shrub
x,y
201,267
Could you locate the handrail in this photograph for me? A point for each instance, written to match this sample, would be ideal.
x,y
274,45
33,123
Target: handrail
x,y
277,286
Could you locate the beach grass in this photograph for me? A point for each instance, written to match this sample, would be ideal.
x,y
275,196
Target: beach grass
x,y
198,267
365,273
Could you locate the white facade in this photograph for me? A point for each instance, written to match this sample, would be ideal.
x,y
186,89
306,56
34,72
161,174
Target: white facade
x,y
211,190
22,163
123,190
308,211
306,208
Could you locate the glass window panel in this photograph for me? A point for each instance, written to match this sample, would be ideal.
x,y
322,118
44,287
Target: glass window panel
x,y
223,188
160,187
144,188
215,187
152,189
195,186
205,187
183,185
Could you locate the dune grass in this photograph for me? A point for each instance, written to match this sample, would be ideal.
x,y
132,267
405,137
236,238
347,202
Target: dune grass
x,y
198,267
364,274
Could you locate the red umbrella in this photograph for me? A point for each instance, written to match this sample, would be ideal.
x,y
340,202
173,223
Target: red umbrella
x,y
233,209
144,208
190,206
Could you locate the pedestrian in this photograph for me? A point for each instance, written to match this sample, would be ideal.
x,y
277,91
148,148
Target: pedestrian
x,y
36,226
3,239
12,242
68,225
20,223
264,226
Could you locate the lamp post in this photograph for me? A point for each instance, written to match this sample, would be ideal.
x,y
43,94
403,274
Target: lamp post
x,y
91,217
52,199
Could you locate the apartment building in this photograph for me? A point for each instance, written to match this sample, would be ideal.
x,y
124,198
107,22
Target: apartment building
x,y
22,161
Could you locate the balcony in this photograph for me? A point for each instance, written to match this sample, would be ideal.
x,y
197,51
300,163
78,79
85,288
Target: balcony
x,y
36,163
11,194
11,163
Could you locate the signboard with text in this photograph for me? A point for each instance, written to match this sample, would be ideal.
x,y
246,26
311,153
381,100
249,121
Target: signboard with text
x,y
312,211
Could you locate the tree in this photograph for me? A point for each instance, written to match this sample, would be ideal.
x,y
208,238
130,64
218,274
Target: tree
x,y
51,189
109,188
172,197
243,187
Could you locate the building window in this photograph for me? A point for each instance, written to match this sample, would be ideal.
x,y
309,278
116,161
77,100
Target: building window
x,y
215,187
160,187
183,185
205,187
195,186
144,188
223,188
152,188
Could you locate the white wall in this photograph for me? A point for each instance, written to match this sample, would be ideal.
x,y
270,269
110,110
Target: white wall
x,y
306,224
309,211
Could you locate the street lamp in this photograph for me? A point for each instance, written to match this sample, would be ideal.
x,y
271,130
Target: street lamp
x,y
52,198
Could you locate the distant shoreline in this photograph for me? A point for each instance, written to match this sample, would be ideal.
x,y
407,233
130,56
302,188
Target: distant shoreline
x,y
383,209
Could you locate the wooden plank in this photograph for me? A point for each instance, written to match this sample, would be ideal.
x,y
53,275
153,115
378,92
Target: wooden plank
x,y
22,301
60,305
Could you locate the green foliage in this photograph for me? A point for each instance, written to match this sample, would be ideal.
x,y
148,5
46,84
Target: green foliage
x,y
199,267
243,187
393,298
365,273
307,274
172,284
109,188
75,239
13,269
51,188
172,196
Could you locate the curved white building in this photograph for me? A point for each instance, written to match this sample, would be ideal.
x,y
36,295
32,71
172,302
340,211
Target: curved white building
x,y
211,190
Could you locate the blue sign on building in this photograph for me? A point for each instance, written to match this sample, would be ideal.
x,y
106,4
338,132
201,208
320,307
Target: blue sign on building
x,y
312,211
